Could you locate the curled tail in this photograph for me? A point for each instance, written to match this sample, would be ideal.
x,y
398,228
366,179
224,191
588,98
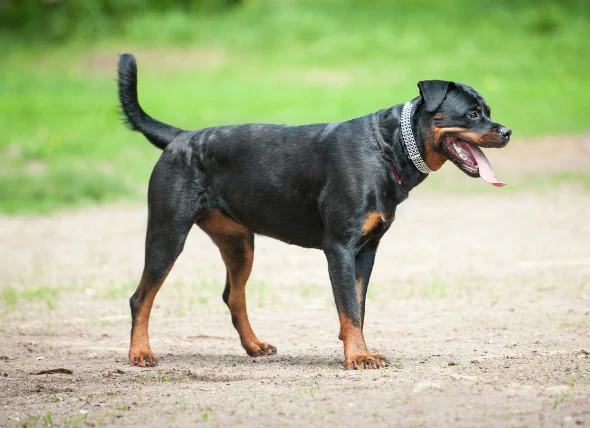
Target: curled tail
x,y
158,133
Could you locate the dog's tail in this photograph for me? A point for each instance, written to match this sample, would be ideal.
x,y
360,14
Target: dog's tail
x,y
158,133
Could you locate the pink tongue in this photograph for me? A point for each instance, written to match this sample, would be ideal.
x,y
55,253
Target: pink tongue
x,y
485,168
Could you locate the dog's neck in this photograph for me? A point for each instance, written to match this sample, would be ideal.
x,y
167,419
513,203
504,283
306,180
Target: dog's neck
x,y
415,156
387,124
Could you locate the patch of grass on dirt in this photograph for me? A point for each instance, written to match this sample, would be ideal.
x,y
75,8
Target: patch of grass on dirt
x,y
48,419
558,399
59,186
205,414
10,296
434,289
549,182
35,420
78,419
528,182
116,291
44,294
573,378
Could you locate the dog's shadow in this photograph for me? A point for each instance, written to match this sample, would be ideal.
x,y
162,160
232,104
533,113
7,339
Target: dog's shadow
x,y
244,361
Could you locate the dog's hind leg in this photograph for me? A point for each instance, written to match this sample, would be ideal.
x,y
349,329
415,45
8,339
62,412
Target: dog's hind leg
x,y
236,245
171,216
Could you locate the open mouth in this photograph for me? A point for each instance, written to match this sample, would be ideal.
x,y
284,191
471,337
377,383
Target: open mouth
x,y
470,159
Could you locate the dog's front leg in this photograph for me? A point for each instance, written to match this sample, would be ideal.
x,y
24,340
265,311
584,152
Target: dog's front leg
x,y
341,265
364,266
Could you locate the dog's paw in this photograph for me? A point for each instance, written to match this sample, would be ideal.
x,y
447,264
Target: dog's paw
x,y
363,361
259,349
142,357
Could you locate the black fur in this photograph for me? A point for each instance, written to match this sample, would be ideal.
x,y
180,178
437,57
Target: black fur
x,y
311,185
158,133
433,93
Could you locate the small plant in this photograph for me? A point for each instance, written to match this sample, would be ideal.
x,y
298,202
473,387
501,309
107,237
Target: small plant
x,y
558,399
10,296
48,418
573,378
85,397
32,421
315,388
205,414
78,419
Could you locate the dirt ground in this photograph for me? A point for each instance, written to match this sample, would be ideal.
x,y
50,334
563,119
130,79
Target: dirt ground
x,y
480,302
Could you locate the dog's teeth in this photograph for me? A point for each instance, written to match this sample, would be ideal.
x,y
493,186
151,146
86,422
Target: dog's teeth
x,y
457,148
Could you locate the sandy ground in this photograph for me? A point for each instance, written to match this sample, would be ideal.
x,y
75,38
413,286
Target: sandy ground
x,y
480,302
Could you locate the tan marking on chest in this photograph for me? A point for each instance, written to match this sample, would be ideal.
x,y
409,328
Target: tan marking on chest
x,y
372,220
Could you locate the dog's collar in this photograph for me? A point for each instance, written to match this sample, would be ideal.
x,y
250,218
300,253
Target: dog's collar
x,y
410,142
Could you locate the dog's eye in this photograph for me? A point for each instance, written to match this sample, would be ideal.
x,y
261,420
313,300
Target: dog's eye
x,y
473,115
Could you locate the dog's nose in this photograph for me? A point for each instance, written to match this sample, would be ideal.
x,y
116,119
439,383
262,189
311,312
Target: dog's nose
x,y
505,132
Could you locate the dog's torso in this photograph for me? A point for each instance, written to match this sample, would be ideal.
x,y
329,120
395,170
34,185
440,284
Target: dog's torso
x,y
288,182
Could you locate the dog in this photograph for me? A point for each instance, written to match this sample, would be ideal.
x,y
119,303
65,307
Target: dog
x,y
330,186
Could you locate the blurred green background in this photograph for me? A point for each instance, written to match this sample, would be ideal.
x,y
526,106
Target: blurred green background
x,y
211,62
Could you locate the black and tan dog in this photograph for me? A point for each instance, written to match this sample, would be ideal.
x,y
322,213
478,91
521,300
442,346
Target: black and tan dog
x,y
331,186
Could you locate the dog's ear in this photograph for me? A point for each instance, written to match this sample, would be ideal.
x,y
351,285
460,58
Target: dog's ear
x,y
433,93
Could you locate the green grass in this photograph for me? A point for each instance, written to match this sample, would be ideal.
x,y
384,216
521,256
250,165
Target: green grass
x,y
542,183
62,142
11,296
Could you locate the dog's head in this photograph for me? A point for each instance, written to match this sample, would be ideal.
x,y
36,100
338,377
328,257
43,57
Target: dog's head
x,y
460,124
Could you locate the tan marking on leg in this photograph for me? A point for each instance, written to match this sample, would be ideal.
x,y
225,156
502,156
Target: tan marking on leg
x,y
238,259
359,290
140,348
218,224
372,220
359,295
356,354
140,351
